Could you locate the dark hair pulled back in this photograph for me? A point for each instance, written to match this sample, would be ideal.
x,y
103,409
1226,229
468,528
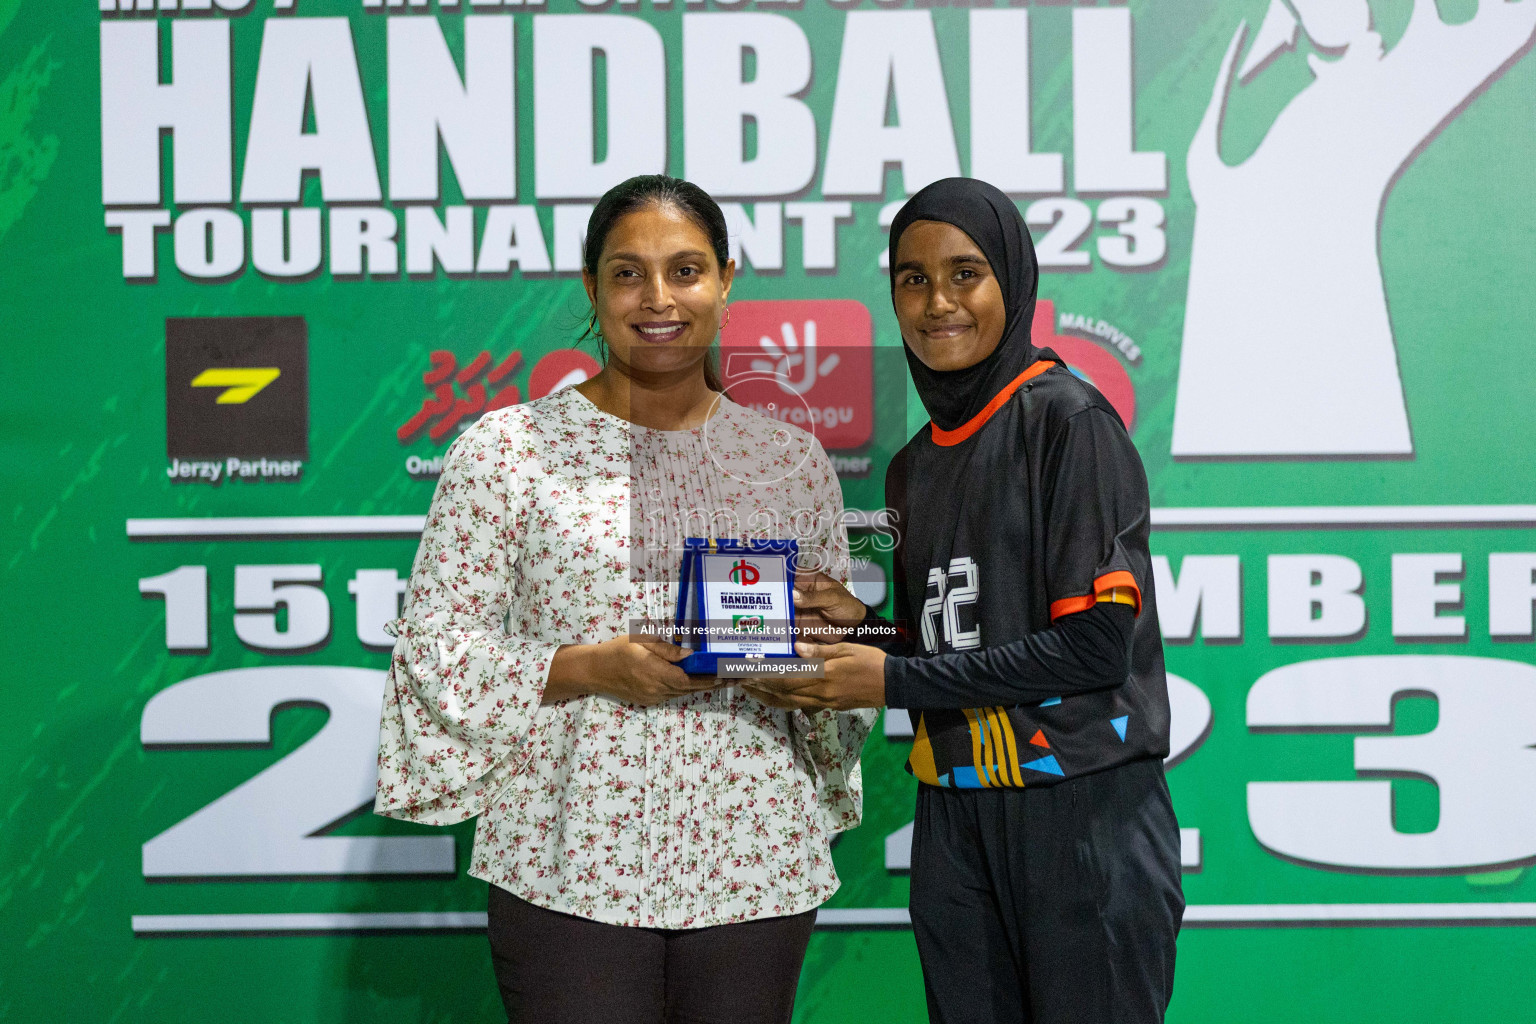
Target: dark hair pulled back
x,y
647,190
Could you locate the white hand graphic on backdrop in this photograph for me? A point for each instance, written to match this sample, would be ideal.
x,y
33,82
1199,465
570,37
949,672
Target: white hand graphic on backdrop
x,y
1288,346
783,360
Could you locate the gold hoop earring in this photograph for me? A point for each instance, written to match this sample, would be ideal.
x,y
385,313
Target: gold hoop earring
x,y
727,319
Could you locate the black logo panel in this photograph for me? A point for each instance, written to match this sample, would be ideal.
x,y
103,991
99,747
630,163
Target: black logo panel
x,y
236,386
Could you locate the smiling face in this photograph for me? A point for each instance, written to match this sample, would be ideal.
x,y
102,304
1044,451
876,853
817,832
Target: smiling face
x,y
659,292
948,301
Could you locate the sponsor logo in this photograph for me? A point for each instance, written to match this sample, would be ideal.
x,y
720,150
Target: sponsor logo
x,y
459,395
744,572
748,624
1069,336
236,398
560,369
808,362
240,384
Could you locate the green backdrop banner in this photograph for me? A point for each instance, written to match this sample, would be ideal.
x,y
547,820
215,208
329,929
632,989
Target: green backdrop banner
x,y
263,259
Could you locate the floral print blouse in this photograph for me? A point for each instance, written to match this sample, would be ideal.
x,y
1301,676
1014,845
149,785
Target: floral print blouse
x,y
556,523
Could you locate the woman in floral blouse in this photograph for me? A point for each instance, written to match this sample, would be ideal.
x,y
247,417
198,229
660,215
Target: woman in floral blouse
x,y
656,843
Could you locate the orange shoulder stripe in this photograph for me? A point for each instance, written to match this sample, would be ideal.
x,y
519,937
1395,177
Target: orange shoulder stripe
x,y
950,438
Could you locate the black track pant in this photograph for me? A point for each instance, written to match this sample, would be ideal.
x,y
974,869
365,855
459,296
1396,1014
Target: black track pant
x,y
554,968
1050,905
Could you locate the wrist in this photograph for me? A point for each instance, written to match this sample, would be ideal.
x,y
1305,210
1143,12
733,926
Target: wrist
x,y
852,614
573,671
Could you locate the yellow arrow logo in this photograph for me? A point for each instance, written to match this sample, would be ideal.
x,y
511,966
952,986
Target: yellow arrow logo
x,y
242,382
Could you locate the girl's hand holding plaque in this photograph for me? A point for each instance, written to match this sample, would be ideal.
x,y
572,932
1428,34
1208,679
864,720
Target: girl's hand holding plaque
x,y
825,611
854,677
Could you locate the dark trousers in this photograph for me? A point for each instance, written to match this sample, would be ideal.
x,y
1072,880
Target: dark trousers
x,y
554,968
1050,905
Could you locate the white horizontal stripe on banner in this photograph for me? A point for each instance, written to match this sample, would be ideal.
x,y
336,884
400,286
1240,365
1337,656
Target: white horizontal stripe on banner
x,y
1215,914
1256,517
275,526
864,917
1326,516
169,924
154,924
1360,913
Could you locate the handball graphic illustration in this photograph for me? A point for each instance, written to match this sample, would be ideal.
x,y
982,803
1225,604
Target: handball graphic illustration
x,y
1285,252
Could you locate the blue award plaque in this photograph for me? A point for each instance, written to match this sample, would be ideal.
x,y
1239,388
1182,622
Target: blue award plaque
x,y
735,600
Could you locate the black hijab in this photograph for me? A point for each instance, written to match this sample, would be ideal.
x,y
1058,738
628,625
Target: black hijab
x,y
992,221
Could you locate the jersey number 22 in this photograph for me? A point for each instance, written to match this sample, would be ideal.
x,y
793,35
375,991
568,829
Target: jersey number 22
x,y
948,594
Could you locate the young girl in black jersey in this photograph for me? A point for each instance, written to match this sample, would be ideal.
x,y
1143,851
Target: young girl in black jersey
x,y
1045,853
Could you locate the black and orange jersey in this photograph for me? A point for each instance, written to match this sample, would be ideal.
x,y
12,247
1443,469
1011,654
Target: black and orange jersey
x,y
1008,528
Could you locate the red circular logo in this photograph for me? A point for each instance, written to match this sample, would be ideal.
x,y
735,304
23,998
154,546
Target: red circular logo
x,y
558,369
1090,361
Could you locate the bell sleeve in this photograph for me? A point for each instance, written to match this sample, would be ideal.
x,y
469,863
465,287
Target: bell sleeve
x,y
462,693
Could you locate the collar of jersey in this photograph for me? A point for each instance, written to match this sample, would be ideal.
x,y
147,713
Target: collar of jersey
x,y
950,438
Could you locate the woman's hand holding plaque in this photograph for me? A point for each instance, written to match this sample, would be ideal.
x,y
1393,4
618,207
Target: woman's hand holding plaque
x,y
635,669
